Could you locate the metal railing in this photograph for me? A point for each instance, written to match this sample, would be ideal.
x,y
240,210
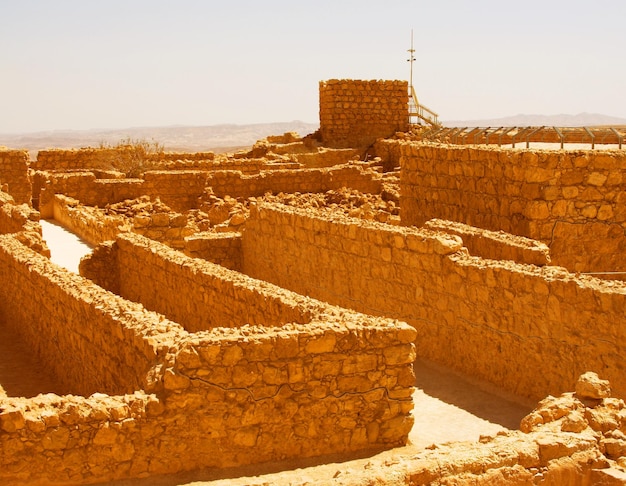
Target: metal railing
x,y
420,111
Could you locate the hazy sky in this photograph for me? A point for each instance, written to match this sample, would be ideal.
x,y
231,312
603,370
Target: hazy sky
x,y
123,63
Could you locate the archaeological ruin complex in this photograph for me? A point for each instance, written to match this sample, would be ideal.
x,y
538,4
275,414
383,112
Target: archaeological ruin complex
x,y
269,304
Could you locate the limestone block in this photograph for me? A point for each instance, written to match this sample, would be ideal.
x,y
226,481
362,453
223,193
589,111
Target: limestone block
x,y
12,420
589,385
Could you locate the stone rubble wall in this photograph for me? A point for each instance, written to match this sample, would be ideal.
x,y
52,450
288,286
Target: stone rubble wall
x,y
66,440
178,189
182,190
91,158
14,217
509,459
339,382
221,248
355,176
573,201
495,245
90,224
388,150
85,187
14,176
95,226
83,333
356,113
342,382
167,228
22,221
530,330
325,157
212,297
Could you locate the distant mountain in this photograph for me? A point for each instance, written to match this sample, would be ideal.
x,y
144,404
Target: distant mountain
x,y
218,138
580,120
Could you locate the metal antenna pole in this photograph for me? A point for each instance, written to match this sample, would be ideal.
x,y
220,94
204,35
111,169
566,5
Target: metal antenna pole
x,y
410,60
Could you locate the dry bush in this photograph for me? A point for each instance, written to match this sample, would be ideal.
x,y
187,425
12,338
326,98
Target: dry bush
x,y
132,157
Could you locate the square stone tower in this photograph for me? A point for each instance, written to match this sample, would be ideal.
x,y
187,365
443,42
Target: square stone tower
x,y
356,113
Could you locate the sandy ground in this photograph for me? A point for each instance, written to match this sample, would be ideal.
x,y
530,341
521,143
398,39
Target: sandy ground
x,y
448,407
66,249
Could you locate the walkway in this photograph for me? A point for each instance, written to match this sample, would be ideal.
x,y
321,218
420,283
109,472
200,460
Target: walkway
x,y
21,373
66,249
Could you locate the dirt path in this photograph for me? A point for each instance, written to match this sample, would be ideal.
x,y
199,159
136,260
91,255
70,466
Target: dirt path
x,y
66,249
21,374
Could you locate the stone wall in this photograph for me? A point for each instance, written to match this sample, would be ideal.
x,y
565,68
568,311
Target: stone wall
x,y
355,176
339,382
22,221
572,201
521,136
221,248
183,190
14,178
325,157
356,113
214,296
179,189
86,188
168,228
15,217
95,226
74,326
494,245
90,224
527,329
92,157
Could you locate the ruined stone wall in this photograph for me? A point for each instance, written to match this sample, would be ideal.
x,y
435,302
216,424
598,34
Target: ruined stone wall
x,y
388,150
15,217
22,221
494,245
207,296
527,329
354,176
241,396
228,397
95,226
179,189
90,224
324,157
573,201
56,314
221,248
92,158
520,136
183,190
14,178
356,113
168,228
86,188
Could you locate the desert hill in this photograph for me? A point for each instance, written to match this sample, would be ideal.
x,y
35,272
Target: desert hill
x,y
218,138
232,137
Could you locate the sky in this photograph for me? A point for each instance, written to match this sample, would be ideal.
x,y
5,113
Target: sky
x,y
86,64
